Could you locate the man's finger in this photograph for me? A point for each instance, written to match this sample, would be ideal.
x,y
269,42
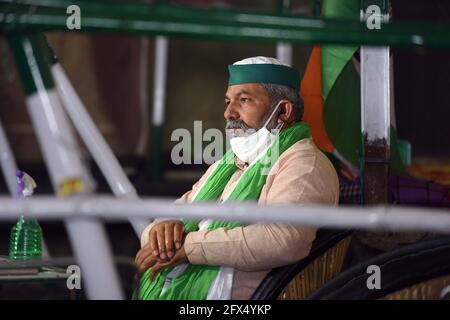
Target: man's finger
x,y
155,271
146,254
154,243
148,262
158,267
161,243
168,235
178,235
139,254
142,254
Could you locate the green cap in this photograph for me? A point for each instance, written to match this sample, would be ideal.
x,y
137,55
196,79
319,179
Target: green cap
x,y
264,73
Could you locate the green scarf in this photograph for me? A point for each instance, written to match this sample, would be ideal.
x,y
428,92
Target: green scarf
x,y
195,282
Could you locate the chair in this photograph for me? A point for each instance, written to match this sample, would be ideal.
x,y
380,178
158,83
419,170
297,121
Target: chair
x,y
438,288
299,280
416,271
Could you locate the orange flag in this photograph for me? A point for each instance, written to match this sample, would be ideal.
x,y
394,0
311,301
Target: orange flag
x,y
311,92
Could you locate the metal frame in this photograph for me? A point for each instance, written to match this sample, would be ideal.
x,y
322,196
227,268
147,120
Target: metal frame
x,y
7,163
375,116
64,163
82,213
98,147
163,19
109,208
159,103
284,49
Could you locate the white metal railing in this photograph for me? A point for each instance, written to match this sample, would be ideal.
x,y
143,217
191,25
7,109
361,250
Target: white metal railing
x,y
390,218
82,210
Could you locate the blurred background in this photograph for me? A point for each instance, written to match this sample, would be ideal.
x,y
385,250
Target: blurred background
x,y
113,75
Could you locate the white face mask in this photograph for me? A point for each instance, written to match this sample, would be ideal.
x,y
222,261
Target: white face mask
x,y
248,148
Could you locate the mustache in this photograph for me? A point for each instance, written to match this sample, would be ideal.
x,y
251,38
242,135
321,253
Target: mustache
x,y
236,124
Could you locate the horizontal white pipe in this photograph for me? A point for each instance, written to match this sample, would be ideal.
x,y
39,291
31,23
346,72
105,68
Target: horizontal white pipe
x,y
389,218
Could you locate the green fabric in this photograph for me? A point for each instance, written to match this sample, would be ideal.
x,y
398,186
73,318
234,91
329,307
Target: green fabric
x,y
196,280
342,114
335,57
343,120
341,91
397,165
264,73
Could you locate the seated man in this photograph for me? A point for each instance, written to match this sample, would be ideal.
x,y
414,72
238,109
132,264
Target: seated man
x,y
212,259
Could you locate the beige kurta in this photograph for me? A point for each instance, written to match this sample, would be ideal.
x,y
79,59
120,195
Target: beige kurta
x,y
302,175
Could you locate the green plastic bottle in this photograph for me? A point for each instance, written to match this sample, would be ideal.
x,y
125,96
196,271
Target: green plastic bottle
x,y
26,240
26,236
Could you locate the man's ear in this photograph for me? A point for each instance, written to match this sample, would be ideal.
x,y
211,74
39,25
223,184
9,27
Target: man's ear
x,y
286,112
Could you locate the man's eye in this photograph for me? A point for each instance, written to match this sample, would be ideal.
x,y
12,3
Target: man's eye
x,y
244,100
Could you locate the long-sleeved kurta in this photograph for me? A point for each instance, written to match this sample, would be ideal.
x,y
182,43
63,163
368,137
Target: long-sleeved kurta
x,y
302,175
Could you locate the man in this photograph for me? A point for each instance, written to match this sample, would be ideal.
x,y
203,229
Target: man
x,y
226,260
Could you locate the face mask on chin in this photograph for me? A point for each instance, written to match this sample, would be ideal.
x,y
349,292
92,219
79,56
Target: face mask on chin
x,y
248,148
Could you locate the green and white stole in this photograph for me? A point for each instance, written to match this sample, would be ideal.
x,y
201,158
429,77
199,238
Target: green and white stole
x,y
200,282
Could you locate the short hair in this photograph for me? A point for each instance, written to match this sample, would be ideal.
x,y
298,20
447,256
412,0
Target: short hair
x,y
279,92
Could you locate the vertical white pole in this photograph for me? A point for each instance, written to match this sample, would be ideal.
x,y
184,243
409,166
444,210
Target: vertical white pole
x,y
375,113
142,144
8,163
159,100
159,79
284,53
92,250
284,49
375,92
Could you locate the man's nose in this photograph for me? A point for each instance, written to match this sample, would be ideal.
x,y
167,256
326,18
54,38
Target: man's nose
x,y
231,113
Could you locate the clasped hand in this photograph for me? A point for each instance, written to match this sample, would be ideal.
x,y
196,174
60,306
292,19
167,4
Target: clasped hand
x,y
164,249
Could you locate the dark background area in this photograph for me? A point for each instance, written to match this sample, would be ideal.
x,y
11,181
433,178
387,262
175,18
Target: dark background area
x,y
421,84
